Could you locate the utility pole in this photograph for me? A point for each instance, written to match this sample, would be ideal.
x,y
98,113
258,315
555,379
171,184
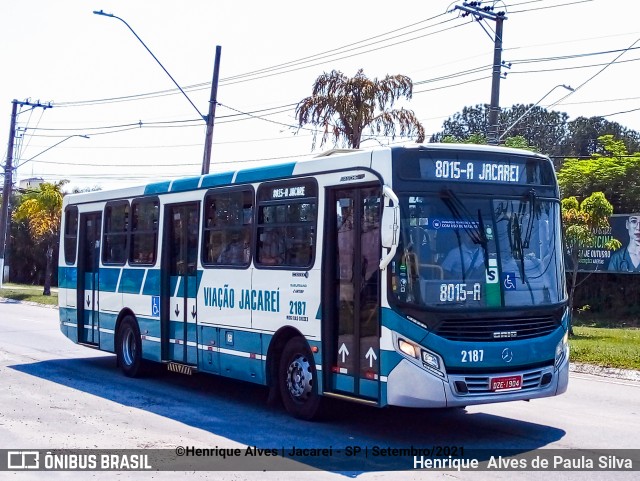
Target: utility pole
x,y
8,181
480,13
206,160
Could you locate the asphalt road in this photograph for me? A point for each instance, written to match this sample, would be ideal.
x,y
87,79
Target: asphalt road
x,y
56,395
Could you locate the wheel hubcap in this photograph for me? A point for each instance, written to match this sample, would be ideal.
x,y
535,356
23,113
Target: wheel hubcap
x,y
299,378
128,347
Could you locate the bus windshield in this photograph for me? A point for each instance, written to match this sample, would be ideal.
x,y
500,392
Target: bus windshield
x,y
460,251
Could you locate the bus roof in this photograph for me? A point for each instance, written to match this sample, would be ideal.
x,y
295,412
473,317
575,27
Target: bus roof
x,y
334,159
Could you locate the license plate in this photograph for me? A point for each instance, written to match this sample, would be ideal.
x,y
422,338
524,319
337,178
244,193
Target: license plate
x,y
506,383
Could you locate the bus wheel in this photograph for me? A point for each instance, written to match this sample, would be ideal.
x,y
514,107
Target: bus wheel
x,y
129,347
297,380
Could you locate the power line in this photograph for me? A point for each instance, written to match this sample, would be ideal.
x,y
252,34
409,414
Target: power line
x,y
572,56
615,60
245,77
559,69
552,6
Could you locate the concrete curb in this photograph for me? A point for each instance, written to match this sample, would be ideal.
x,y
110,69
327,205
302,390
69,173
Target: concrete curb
x,y
6,300
611,372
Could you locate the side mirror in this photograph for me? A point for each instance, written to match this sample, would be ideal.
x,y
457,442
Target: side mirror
x,y
389,225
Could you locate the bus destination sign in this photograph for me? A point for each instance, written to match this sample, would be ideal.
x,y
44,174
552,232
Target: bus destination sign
x,y
472,171
288,192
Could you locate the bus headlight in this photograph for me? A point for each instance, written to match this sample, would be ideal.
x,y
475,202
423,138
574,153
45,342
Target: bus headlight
x,y
430,360
408,348
562,349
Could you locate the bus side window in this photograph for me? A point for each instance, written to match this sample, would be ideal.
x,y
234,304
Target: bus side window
x,y
271,251
228,227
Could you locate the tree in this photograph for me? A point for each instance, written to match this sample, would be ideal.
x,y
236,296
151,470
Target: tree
x,y
583,136
517,142
548,132
580,222
41,209
462,125
613,171
478,139
543,131
343,107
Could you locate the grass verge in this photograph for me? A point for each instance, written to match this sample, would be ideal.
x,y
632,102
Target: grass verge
x,y
608,347
21,292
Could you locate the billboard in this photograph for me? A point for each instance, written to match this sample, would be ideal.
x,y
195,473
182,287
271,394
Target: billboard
x,y
626,260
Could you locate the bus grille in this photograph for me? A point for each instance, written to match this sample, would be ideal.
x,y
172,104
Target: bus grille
x,y
488,330
481,384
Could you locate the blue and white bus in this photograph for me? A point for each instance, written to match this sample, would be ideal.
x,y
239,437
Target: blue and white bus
x,y
424,275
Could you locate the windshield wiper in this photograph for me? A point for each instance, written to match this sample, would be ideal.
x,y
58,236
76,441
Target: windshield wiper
x,y
531,201
461,213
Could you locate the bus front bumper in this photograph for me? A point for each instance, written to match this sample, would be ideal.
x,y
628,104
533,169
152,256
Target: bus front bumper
x,y
410,386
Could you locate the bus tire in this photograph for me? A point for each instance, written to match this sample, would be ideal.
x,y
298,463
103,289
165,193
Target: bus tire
x,y
297,380
129,347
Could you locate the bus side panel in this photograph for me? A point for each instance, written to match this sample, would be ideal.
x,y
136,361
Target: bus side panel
x,y
240,355
137,288
227,344
110,305
67,283
149,315
280,298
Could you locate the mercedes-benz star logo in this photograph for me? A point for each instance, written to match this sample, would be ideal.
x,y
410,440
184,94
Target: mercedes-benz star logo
x,y
507,355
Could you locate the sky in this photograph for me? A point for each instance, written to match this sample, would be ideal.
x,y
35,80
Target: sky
x,y
102,83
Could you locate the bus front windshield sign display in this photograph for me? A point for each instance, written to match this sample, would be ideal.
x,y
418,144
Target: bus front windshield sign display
x,y
511,172
470,171
481,168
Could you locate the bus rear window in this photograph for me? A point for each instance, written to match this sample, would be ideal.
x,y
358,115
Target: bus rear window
x,y
70,234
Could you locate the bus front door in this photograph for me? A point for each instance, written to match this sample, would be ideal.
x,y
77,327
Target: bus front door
x,y
88,292
351,292
179,279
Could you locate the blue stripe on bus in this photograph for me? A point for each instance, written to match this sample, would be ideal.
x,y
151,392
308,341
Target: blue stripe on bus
x,y
152,283
109,279
157,188
369,388
182,185
193,286
131,281
265,173
388,361
173,282
67,277
68,315
343,382
243,368
216,180
398,323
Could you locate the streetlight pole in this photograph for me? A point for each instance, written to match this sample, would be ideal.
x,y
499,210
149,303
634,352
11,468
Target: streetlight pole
x,y
209,119
49,148
532,107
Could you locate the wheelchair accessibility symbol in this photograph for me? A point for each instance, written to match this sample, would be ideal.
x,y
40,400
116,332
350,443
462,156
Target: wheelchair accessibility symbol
x,y
155,306
509,281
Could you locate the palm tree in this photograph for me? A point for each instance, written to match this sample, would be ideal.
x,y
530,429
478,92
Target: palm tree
x,y
344,106
41,209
